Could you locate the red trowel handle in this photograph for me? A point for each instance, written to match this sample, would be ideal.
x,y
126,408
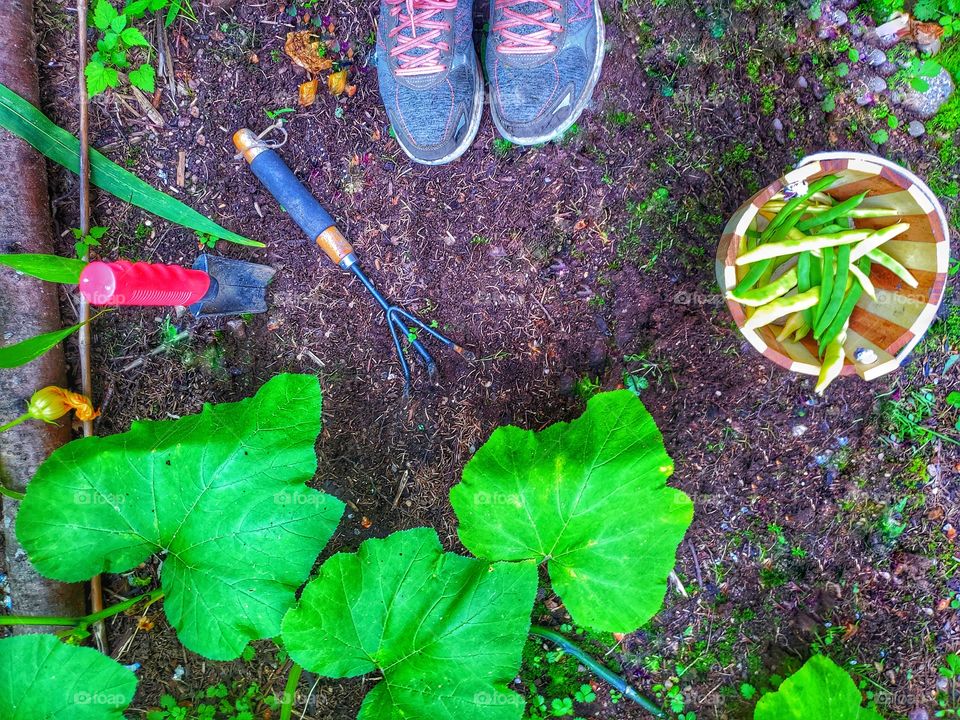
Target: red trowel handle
x,y
127,283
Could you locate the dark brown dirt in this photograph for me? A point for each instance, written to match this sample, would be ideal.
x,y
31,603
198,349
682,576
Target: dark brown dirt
x,y
541,262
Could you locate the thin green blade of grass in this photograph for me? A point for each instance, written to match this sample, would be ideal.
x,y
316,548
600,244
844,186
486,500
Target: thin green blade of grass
x,y
26,122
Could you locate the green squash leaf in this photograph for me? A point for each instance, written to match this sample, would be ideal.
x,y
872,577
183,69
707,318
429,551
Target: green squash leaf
x,y
221,493
445,631
820,689
43,679
51,268
588,498
27,122
21,353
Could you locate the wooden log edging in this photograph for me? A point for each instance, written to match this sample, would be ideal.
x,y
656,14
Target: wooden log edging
x,y
27,307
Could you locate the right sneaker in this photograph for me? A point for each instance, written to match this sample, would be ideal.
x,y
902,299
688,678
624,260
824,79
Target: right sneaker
x,y
543,62
430,78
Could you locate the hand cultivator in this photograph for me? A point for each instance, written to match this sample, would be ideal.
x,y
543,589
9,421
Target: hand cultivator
x,y
317,223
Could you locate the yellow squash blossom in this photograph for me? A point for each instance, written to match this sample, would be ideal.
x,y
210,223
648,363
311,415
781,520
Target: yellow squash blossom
x,y
52,403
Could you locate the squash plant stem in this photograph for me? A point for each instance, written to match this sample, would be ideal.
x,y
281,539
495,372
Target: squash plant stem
x,y
14,423
85,621
598,669
290,692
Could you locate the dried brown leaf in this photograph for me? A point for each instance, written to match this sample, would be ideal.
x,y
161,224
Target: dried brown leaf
x,y
303,47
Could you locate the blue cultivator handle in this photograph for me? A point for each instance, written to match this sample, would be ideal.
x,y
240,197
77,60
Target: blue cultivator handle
x,y
317,223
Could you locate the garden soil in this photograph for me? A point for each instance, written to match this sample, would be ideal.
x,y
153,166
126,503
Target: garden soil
x,y
566,268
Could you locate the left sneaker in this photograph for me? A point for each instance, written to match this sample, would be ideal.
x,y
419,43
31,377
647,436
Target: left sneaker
x,y
543,62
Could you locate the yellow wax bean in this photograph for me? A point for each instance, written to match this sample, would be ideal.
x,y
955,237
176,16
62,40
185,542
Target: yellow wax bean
x,y
808,243
781,307
833,358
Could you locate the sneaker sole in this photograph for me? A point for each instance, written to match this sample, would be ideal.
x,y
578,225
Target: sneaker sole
x,y
478,101
579,108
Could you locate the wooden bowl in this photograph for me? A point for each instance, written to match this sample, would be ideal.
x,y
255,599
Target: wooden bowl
x,y
895,322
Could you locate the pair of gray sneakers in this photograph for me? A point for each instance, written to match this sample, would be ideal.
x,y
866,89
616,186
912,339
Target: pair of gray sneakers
x,y
542,58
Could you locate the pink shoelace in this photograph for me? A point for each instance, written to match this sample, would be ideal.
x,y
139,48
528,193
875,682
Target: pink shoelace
x,y
538,41
419,19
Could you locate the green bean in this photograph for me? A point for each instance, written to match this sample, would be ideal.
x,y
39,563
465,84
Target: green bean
x,y
878,238
811,242
846,309
832,365
837,211
762,295
833,228
803,272
893,265
753,275
826,285
836,296
781,233
796,203
780,307
804,261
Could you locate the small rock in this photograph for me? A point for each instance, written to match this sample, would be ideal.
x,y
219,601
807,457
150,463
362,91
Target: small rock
x,y
802,83
926,104
887,69
237,328
839,17
777,124
942,684
875,84
876,57
799,430
918,714
827,32
889,34
916,128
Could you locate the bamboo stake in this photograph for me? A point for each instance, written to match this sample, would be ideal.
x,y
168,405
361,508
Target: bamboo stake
x,y
85,335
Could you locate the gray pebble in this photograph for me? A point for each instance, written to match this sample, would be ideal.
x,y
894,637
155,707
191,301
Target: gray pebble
x,y
876,84
837,17
876,57
916,128
918,714
777,125
887,69
802,83
926,104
